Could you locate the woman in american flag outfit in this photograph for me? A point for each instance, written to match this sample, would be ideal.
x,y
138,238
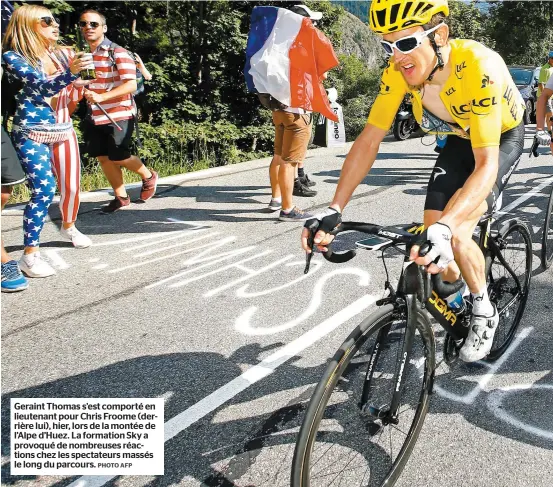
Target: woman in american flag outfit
x,y
31,54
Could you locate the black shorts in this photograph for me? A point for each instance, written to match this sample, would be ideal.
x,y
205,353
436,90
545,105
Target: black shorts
x,y
456,163
12,172
107,140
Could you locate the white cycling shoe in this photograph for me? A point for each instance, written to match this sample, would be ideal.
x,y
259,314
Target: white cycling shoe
x,y
480,338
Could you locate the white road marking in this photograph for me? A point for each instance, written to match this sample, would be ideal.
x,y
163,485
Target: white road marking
x,y
243,322
163,257
57,260
526,196
225,393
495,400
494,367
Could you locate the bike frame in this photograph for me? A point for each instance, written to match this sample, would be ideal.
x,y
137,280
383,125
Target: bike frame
x,y
414,289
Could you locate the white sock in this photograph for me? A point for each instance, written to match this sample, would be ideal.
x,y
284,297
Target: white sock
x,y
481,304
288,210
277,199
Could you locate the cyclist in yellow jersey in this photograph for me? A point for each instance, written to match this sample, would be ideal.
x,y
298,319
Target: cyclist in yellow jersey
x,y
459,88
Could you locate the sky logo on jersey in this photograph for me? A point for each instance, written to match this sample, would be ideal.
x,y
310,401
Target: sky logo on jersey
x,y
486,81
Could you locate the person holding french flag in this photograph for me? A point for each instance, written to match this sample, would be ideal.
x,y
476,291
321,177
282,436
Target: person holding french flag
x,y
287,59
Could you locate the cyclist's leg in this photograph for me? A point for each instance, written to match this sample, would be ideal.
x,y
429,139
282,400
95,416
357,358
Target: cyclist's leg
x,y
485,318
467,253
453,166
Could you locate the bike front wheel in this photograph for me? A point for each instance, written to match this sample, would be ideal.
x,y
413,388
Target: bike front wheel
x,y
547,238
347,437
508,277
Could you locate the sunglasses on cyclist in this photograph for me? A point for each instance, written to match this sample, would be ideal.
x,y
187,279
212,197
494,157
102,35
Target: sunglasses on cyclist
x,y
407,44
84,23
49,20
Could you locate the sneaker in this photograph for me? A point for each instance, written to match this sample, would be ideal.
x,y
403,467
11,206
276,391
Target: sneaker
x,y
274,205
79,240
302,190
33,265
480,338
116,204
149,186
12,278
306,181
295,215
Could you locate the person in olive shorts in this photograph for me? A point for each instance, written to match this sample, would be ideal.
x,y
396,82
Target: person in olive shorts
x,y
12,174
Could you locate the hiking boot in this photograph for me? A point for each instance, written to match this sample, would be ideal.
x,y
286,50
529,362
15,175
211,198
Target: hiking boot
x,y
302,190
12,278
306,181
78,239
294,215
480,338
116,204
149,187
33,265
274,205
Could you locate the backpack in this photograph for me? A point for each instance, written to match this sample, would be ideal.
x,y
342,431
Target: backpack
x,y
11,86
139,77
269,102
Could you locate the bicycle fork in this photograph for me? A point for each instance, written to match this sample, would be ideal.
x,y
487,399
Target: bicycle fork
x,y
388,413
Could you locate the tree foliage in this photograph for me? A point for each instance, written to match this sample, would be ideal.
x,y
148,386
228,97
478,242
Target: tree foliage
x,y
197,105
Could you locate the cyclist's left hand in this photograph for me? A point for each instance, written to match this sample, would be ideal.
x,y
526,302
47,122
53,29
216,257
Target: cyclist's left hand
x,y
441,254
543,137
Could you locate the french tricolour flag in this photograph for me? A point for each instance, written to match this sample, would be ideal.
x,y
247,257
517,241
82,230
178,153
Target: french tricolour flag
x,y
286,57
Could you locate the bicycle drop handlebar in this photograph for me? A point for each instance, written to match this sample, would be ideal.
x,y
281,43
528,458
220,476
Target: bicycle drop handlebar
x,y
397,236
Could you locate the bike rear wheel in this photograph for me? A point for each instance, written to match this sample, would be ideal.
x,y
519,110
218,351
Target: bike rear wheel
x,y
343,442
515,259
547,238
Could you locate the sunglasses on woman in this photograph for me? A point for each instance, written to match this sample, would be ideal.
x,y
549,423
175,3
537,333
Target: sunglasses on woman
x,y
84,23
49,20
407,44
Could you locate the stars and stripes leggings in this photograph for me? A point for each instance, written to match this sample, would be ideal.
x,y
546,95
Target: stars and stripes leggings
x,y
40,162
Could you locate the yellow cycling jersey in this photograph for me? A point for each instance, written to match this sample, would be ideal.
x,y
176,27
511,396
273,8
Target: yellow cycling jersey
x,y
480,95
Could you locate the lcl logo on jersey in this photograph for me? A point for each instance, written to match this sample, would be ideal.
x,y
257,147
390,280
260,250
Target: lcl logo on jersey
x,y
476,107
459,69
450,91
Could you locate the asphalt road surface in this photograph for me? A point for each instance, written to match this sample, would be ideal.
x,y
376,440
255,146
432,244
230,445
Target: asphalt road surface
x,y
199,297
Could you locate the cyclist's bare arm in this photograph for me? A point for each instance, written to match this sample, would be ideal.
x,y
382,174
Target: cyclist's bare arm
x,y
541,108
358,163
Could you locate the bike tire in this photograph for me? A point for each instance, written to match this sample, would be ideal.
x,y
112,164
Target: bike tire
x,y
402,129
502,286
359,430
547,237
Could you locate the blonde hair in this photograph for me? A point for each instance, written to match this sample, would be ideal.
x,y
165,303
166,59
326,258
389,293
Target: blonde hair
x,y
21,34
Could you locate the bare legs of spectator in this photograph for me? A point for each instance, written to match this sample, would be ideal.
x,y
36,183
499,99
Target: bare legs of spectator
x,y
273,177
286,175
114,173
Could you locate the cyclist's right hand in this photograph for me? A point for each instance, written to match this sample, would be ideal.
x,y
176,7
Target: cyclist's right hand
x,y
543,137
323,223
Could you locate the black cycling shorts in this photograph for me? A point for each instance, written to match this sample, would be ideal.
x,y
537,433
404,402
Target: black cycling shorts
x,y
12,172
456,163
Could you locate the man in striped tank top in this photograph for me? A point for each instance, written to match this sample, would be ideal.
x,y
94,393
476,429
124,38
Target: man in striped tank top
x,y
112,90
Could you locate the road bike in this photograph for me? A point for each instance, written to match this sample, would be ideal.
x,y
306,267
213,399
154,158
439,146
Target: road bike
x,y
546,254
367,411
